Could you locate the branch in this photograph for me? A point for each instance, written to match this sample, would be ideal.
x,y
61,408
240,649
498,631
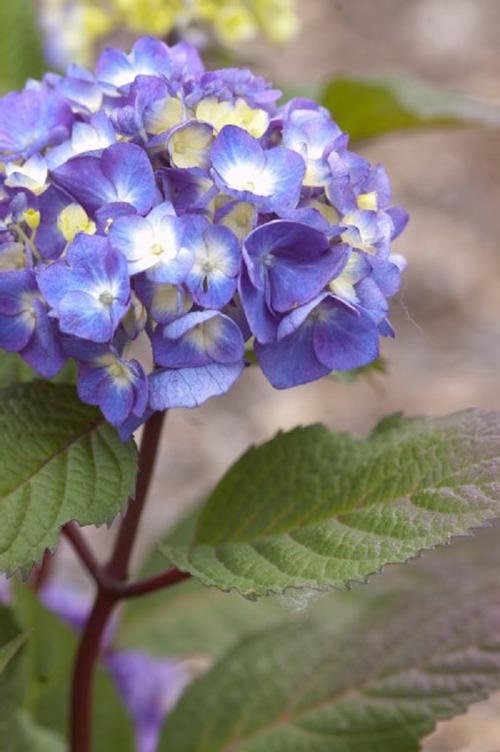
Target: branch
x,y
41,573
120,560
151,584
85,554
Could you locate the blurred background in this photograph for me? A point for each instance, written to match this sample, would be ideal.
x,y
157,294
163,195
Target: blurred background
x,y
446,355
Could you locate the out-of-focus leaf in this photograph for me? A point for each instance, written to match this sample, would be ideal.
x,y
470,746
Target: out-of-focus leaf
x,y
378,366
419,651
373,105
301,91
316,509
31,737
59,461
20,47
13,370
190,619
48,663
9,650
11,641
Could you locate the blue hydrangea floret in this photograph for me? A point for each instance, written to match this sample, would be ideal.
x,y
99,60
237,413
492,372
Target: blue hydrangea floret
x,y
158,222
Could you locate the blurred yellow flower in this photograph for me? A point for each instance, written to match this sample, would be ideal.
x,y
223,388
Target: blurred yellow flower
x,y
72,27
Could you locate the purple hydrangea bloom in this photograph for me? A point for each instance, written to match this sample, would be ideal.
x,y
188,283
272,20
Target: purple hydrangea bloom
x,y
25,326
88,290
149,687
243,168
31,120
152,198
203,353
107,379
122,174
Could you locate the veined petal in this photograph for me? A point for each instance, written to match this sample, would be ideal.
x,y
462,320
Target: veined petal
x,y
198,339
190,387
123,174
242,168
133,236
129,169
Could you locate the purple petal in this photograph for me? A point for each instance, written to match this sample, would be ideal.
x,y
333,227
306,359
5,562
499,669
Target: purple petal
x,y
15,332
123,174
344,338
129,169
190,387
292,360
149,688
262,322
44,351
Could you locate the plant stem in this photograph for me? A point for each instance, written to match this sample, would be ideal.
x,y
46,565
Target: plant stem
x,y
42,572
152,584
107,594
83,675
120,560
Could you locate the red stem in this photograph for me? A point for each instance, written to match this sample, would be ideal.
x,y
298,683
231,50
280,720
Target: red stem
x,y
152,584
115,572
120,560
83,675
41,573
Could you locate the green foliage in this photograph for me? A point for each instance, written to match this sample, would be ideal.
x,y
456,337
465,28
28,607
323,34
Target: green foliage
x,y
315,509
190,619
20,50
13,370
31,737
18,732
47,672
378,366
373,105
421,647
59,461
9,650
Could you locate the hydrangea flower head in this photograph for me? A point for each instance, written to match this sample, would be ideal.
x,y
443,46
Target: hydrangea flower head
x,y
151,200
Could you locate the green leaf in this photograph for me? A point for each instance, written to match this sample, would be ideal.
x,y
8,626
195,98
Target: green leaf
x,y
10,649
18,731
372,105
315,509
192,619
11,685
59,461
408,658
30,737
378,366
21,50
13,370
48,663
